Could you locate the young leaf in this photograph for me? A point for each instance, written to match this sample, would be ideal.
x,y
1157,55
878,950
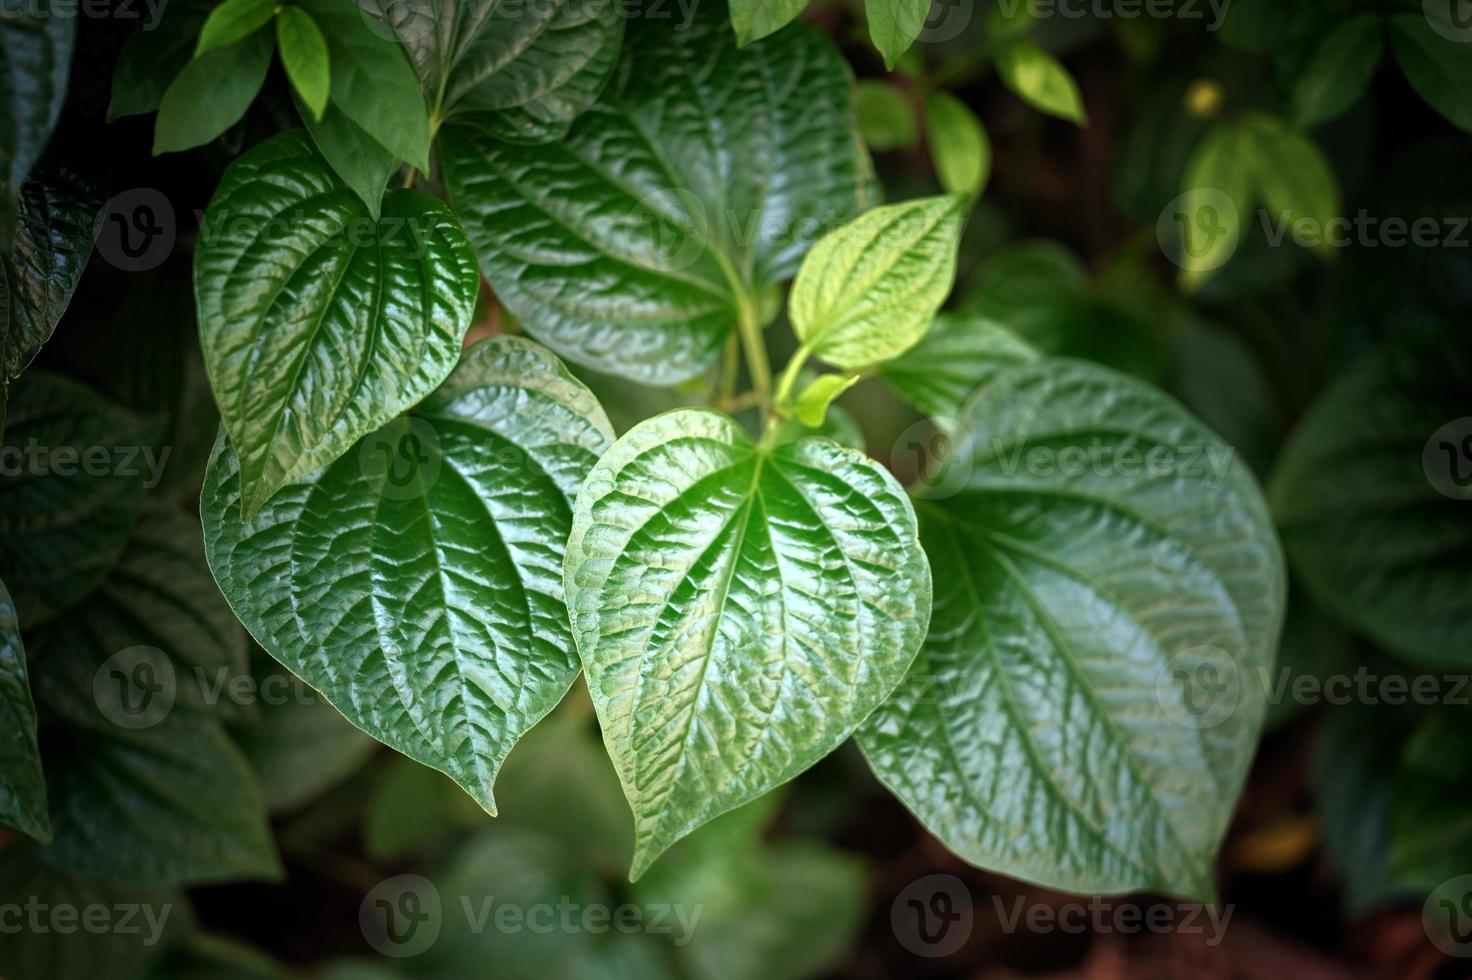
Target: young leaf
x,y
886,116
1438,68
304,56
349,320
211,94
894,25
957,355
811,406
755,19
958,145
694,186
232,21
738,609
1095,551
1218,193
1290,173
359,159
1339,71
22,787
153,55
35,58
438,540
869,290
1040,80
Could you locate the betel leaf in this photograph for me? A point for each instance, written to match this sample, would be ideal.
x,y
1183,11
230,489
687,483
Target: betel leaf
x,y
153,55
755,19
1040,80
304,56
867,291
520,71
36,41
1338,72
739,610
1371,494
416,582
957,355
211,93
694,185
233,20
22,787
54,234
1108,584
360,160
320,323
73,470
958,144
894,25
1439,68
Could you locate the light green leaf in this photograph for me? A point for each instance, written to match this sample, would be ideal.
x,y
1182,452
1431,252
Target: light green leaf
x,y
36,41
1339,71
439,539
1291,175
232,21
304,56
1371,495
886,115
739,610
869,290
958,143
153,55
22,787
1218,193
1040,80
1107,586
957,355
894,25
1438,67
211,93
346,320
755,19
811,405
693,187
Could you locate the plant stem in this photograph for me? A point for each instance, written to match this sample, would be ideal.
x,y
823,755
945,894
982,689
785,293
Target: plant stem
x,y
789,374
748,325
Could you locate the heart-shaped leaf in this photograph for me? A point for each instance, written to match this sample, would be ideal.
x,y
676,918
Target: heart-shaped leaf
x,y
1107,588
36,43
319,322
697,182
22,787
957,355
739,610
416,582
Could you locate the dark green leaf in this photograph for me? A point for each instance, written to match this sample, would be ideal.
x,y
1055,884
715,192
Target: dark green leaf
x,y
408,811
304,56
211,93
36,42
359,159
958,355
1438,67
1339,71
22,787
232,21
1431,802
153,55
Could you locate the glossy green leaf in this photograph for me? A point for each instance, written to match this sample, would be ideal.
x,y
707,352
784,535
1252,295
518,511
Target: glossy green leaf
x,y
357,158
868,291
739,610
232,21
153,55
304,56
319,323
1338,72
74,474
1371,494
811,405
36,41
886,115
755,19
22,787
211,93
894,25
1040,80
438,540
1439,68
694,185
957,355
1107,586
958,143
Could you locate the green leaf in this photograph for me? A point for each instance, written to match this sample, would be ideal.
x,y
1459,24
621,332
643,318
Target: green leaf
x,y
73,480
894,25
811,405
738,609
1218,187
439,540
54,234
211,94
1370,495
868,291
693,187
36,41
357,158
755,19
958,145
304,56
372,81
958,355
1431,808
175,804
408,811
1339,71
154,55
346,320
22,787
1438,67
1040,80
886,115
1096,553
232,21
1291,175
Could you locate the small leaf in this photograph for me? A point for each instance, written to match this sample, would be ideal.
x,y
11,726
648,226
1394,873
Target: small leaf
x,y
36,42
1040,80
1291,175
359,159
811,406
439,540
22,787
738,609
232,21
1219,187
347,322
869,290
755,19
154,55
304,56
894,25
886,116
958,145
1438,67
211,94
1339,71
957,355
